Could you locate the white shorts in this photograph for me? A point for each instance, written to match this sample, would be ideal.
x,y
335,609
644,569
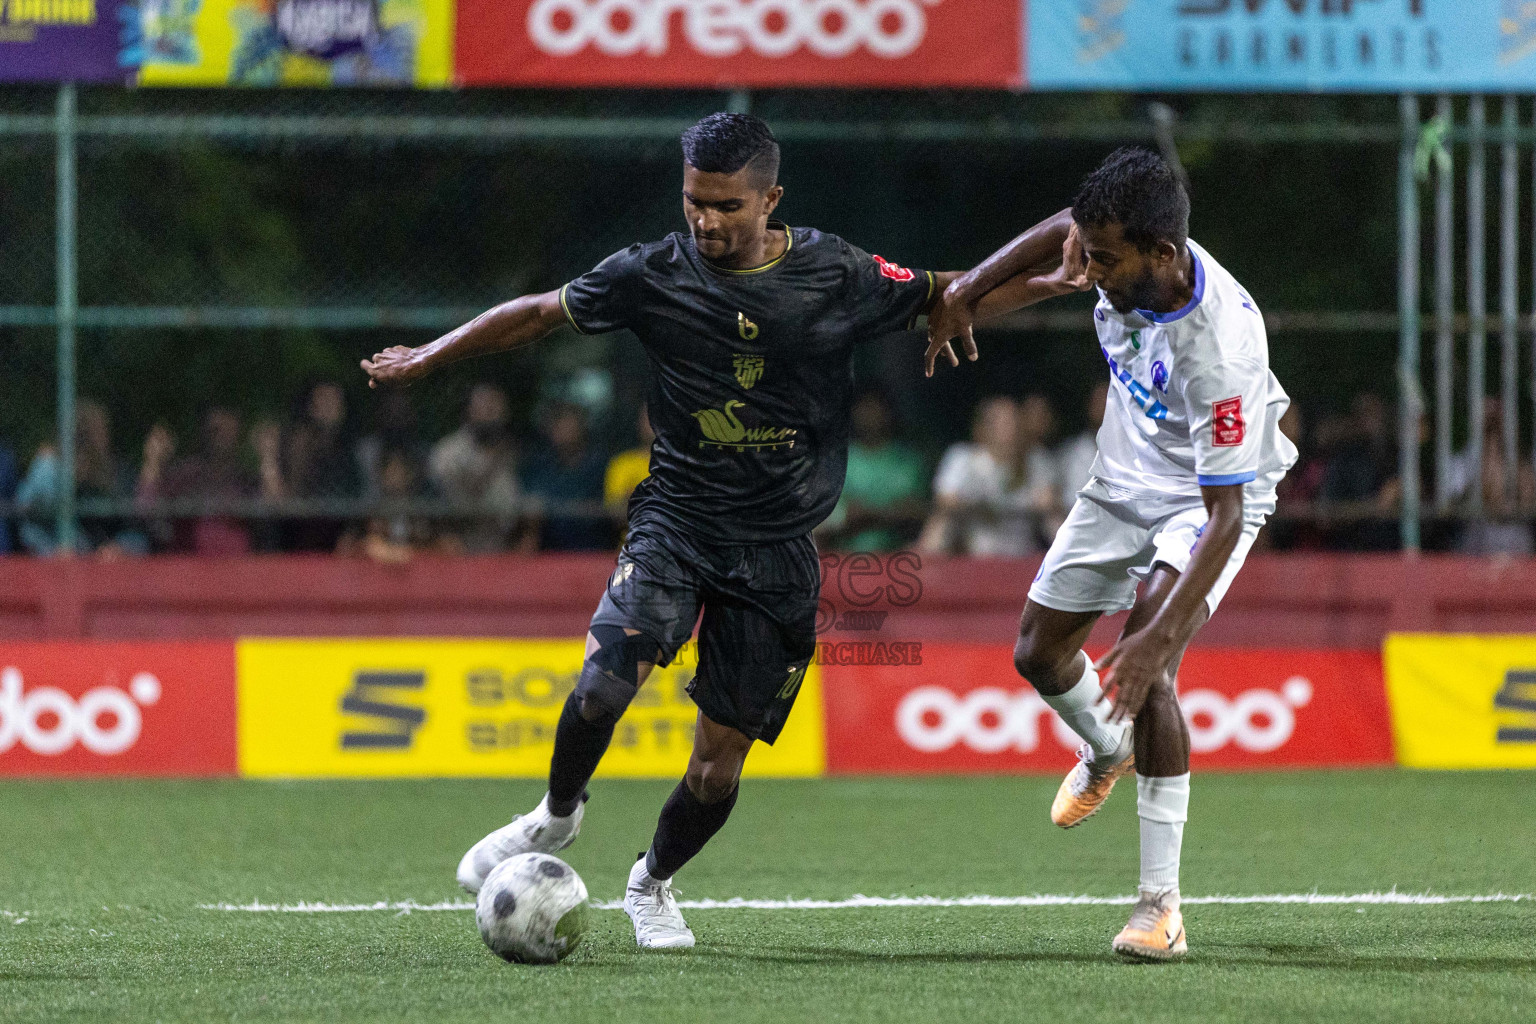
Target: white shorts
x,y
1112,539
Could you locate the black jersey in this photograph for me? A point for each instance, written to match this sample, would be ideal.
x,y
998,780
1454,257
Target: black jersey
x,y
751,373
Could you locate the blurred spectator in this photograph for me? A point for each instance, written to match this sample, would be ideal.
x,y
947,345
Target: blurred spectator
x,y
628,468
321,465
996,495
1497,531
214,474
886,484
563,475
394,535
477,465
395,432
7,493
98,475
1358,496
1075,455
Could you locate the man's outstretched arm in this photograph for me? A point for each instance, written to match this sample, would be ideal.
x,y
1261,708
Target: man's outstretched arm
x,y
953,313
507,326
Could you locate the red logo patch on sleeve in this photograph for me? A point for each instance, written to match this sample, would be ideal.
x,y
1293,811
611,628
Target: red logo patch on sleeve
x,y
894,272
1227,427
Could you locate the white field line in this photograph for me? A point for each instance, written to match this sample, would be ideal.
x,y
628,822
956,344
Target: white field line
x,y
1392,897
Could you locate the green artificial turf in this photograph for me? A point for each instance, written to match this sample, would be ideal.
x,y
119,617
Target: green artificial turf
x,y
109,875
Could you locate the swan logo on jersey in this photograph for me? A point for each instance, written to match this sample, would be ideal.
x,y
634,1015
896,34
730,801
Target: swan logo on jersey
x,y
722,429
749,369
892,271
1227,426
1160,376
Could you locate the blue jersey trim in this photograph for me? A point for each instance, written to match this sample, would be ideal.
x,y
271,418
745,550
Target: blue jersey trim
x,y
1226,480
1168,318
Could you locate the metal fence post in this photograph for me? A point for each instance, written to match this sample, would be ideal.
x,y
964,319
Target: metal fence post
x,y
1445,309
1477,302
1408,336
67,301
1509,300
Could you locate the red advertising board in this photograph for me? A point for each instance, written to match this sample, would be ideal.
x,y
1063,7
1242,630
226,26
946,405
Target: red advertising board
x,y
965,709
117,709
747,43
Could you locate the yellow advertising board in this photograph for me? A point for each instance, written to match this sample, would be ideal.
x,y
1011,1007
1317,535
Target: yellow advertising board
x,y
413,708
297,42
1463,700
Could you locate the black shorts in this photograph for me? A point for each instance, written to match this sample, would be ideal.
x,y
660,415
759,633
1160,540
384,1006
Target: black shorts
x,y
759,628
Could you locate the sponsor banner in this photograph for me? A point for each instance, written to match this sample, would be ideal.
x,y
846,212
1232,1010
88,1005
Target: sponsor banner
x,y
723,43
1289,45
62,40
1463,701
293,42
396,708
117,709
965,709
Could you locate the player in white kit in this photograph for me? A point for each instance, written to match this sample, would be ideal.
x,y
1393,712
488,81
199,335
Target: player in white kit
x,y
1189,457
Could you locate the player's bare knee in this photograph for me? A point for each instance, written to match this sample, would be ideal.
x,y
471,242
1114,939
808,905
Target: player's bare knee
x,y
1041,666
713,781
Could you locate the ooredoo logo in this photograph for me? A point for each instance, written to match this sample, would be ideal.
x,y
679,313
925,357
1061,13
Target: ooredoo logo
x,y
991,720
724,28
106,720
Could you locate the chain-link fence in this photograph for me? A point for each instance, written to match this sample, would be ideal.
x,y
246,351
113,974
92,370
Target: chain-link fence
x,y
193,276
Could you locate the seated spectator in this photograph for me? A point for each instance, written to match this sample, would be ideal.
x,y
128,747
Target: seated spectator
x,y
98,475
628,468
997,494
1499,531
395,431
886,483
7,493
395,534
215,473
1359,489
476,465
566,478
1075,455
321,465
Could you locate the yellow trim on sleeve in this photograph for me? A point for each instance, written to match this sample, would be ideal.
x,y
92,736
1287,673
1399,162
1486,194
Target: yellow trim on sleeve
x,y
567,308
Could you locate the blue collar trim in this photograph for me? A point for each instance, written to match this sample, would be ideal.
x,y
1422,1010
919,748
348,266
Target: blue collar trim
x,y
1168,318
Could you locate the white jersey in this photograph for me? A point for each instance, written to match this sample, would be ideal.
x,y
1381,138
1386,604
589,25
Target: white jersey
x,y
1193,401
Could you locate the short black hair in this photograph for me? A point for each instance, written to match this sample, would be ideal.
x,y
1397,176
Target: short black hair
x,y
1137,189
725,143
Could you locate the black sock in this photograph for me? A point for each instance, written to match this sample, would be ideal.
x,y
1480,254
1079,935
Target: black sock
x,y
579,745
685,826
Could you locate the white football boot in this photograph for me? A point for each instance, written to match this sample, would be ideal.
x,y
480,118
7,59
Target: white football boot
x,y
535,832
650,903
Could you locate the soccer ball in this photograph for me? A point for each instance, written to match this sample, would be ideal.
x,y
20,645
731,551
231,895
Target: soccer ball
x,y
531,909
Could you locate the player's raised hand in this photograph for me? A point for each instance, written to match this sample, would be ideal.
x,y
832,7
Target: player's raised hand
x,y
397,365
951,318
1074,263
1129,671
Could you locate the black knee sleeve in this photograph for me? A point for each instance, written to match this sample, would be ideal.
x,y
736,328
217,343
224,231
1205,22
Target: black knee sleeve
x,y
611,675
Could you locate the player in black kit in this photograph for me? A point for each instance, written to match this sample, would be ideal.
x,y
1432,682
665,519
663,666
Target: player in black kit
x,y
750,329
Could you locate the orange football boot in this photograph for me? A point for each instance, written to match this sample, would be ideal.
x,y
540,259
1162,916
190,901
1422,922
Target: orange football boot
x,y
1087,785
1155,930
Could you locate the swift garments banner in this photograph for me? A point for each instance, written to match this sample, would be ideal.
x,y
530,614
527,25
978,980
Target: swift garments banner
x,y
965,709
117,709
726,43
62,40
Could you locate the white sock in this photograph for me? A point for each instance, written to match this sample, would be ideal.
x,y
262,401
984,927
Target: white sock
x,y
1162,804
1083,712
